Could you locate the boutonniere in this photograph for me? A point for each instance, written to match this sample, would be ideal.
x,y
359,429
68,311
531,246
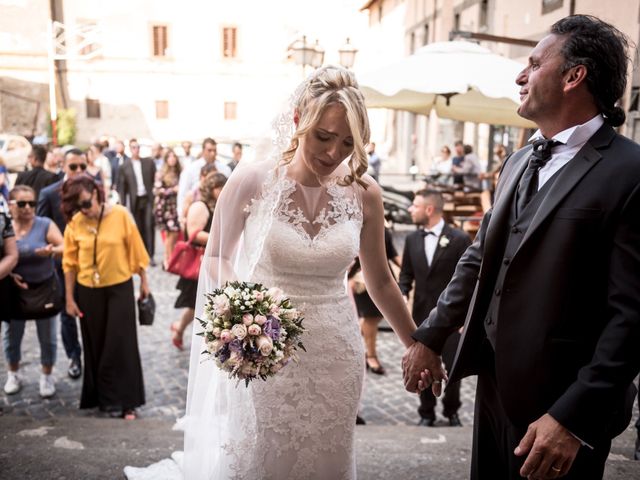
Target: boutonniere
x,y
444,241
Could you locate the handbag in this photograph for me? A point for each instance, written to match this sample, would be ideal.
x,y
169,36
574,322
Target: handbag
x,y
40,300
146,310
186,258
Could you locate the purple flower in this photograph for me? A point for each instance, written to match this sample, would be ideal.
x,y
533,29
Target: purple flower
x,y
236,346
224,353
272,328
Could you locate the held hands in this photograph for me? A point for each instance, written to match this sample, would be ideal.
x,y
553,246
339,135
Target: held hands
x,y
422,368
550,449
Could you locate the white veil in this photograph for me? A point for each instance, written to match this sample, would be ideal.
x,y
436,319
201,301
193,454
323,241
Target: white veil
x,y
219,412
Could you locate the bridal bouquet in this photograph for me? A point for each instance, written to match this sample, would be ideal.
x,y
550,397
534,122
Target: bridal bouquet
x,y
250,331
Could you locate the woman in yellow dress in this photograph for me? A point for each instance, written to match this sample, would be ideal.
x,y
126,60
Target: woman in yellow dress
x,y
102,251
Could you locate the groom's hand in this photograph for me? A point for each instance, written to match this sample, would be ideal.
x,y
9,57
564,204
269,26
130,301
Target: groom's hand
x,y
421,364
550,449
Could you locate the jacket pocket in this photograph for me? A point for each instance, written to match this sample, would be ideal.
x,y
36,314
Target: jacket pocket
x,y
578,213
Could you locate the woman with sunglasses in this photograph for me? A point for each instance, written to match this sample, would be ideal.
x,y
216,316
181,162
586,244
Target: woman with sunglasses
x,y
38,240
102,251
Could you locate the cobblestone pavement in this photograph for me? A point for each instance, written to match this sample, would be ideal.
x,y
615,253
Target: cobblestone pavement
x,y
385,402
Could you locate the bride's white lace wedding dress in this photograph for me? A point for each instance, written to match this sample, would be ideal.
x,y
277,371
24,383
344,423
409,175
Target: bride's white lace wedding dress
x,y
302,420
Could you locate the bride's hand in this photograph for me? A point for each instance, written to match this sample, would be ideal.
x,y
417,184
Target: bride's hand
x,y
421,364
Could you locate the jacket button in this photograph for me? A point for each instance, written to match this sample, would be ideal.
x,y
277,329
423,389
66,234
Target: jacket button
x,y
515,230
498,292
489,320
506,261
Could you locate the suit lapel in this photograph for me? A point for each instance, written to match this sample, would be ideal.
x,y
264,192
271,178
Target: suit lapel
x,y
438,252
569,177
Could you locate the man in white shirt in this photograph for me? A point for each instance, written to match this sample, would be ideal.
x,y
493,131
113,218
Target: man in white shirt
x,y
549,291
190,177
429,260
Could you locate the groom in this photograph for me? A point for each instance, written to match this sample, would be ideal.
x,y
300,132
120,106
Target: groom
x,y
549,292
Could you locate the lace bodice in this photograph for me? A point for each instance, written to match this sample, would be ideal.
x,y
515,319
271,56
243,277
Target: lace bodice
x,y
309,255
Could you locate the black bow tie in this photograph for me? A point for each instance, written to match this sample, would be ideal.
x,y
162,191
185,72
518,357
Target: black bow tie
x,y
426,233
542,152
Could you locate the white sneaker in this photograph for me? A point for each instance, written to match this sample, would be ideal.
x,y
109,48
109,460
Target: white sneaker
x,y
13,384
47,386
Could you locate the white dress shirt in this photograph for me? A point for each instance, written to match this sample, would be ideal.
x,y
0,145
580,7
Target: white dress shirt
x,y
431,241
190,177
137,170
573,140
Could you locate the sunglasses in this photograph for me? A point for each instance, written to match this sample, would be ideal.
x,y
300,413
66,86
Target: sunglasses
x,y
24,203
85,205
74,166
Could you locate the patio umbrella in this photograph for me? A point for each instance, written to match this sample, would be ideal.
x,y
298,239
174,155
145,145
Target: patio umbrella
x,y
459,80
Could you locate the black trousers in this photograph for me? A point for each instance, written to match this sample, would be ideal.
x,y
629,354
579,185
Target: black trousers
x,y
495,438
143,216
112,369
451,399
68,325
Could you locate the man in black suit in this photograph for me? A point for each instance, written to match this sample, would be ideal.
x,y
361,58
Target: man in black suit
x,y
116,158
74,163
135,187
549,291
430,257
37,177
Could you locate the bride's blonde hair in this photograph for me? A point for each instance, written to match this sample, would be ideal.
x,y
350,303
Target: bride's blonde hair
x,y
332,85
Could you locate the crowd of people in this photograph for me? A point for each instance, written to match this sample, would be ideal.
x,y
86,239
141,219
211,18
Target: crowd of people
x,y
76,226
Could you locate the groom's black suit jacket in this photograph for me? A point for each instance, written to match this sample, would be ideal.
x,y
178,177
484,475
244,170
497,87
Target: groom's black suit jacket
x,y
430,280
569,329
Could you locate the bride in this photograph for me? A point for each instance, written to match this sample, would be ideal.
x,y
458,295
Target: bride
x,y
296,223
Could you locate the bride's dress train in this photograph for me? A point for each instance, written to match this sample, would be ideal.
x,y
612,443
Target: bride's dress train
x,y
302,420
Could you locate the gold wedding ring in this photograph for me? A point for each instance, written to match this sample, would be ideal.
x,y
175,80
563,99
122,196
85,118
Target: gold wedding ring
x,y
556,469
437,382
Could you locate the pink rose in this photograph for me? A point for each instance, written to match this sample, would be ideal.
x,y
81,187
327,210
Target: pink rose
x,y
275,294
247,319
254,330
265,345
260,319
239,331
274,309
226,336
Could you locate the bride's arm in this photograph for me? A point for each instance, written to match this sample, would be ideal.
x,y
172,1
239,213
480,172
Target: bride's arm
x,y
381,285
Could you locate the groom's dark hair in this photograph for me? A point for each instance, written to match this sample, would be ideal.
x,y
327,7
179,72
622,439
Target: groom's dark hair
x,y
602,49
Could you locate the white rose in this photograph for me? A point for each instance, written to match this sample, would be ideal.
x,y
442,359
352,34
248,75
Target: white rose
x,y
209,327
212,347
221,305
230,292
216,331
265,345
239,331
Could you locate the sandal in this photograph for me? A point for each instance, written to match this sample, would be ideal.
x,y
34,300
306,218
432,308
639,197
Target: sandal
x,y
129,414
176,337
379,370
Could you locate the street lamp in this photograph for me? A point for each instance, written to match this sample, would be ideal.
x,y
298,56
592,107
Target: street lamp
x,y
304,53
347,54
